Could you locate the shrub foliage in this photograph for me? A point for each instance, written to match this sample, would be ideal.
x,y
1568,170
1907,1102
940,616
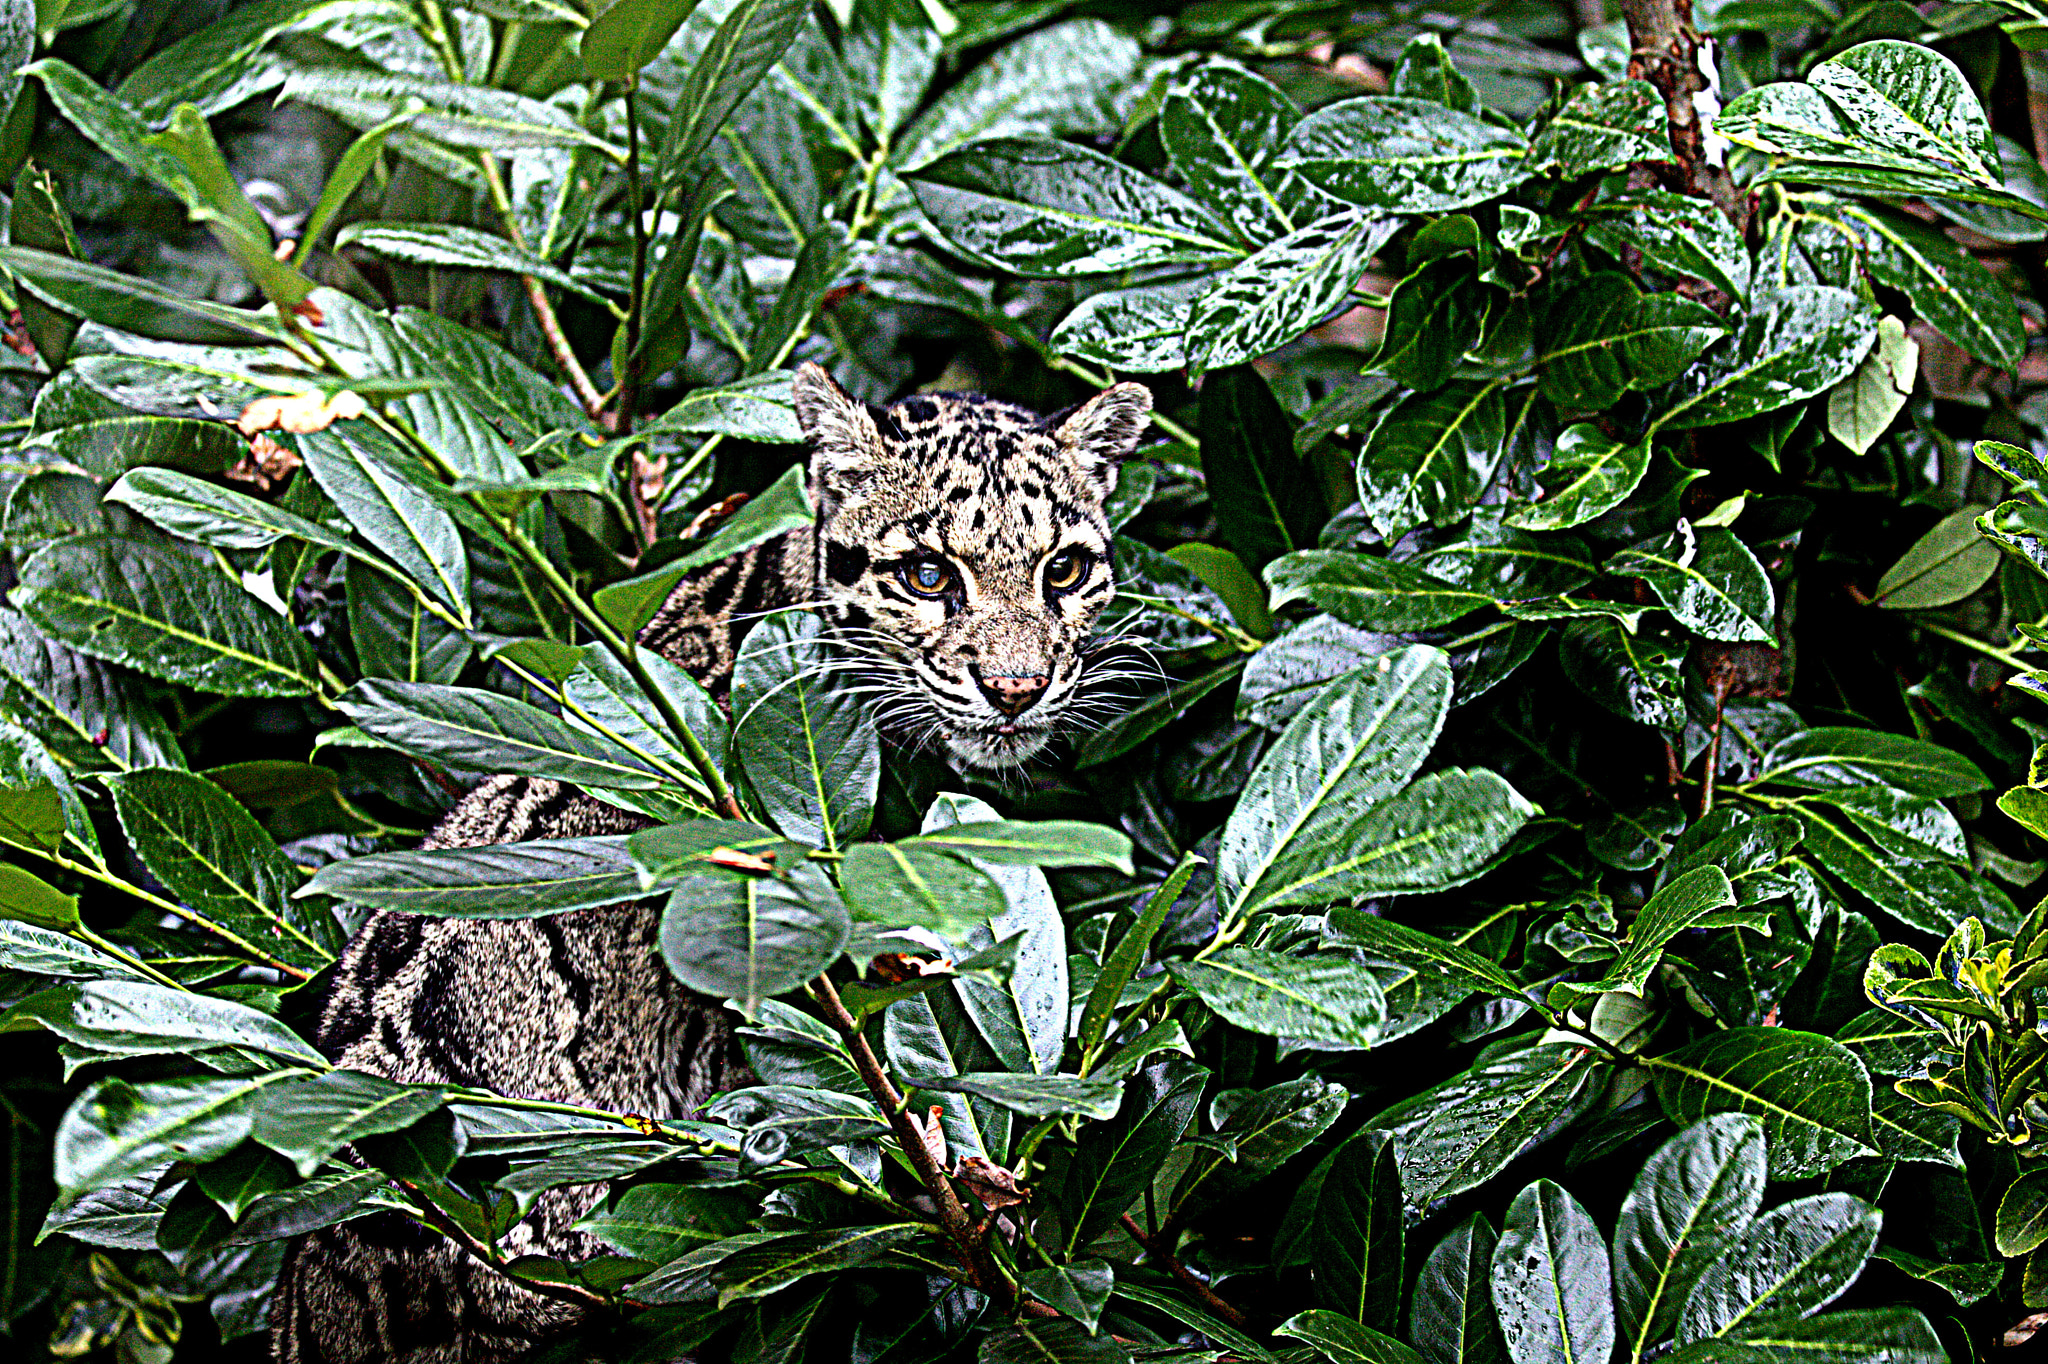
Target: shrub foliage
x,y
1561,896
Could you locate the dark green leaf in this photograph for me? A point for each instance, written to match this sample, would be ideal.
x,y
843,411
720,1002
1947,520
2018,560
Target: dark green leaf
x,y
1550,1280
1601,127
506,881
1370,593
747,936
472,728
1709,580
1839,756
1404,155
1787,1263
308,1122
1687,1205
1811,1093
1265,501
1341,1340
1279,292
1492,1114
1318,998
1429,456
1356,1237
809,749
1452,1319
1947,564
1804,341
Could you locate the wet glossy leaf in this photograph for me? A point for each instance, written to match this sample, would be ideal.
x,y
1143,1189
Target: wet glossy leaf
x,y
1356,1237
1319,998
1223,127
1433,318
1491,1114
1266,502
1709,581
1632,673
1404,155
1788,1263
469,727
1811,1093
116,1129
1143,330
1065,78
1689,1202
309,1121
1945,565
1804,341
1280,291
1452,1319
1676,233
1369,592
129,304
810,750
1590,474
136,1018
745,936
1550,1280
1603,126
1036,1096
1603,337
1842,756
1341,1340
506,881
1429,456
1038,207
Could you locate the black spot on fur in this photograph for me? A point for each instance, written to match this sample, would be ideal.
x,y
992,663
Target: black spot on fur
x,y
845,563
919,408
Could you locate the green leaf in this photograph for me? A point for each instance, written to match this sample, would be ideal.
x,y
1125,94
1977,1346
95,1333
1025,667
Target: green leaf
x,y
1040,208
1123,961
1143,330
1493,1113
599,695
163,614
1404,155
1452,1319
1354,745
1688,1203
1036,843
1948,288
1805,340
1912,101
214,197
24,896
116,1129
1590,474
1370,593
2023,1214
1676,234
1079,1290
1222,128
784,507
1341,1340
1266,503
672,850
1063,79
1843,756
810,750
448,244
1430,455
628,34
1397,942
761,1269
1550,1274
223,518
1863,406
1708,580
746,936
751,39
758,407
1603,337
1926,896
659,1222
136,1018
1277,293
455,119
1356,1236
1036,1096
504,881
127,303
1947,564
45,952
1114,1162
1603,127
391,512
1888,1335
212,854
1316,998
1812,1094
1049,1342
114,445
471,728
1265,1127
1918,830
306,1123
1433,318
1788,1263
898,885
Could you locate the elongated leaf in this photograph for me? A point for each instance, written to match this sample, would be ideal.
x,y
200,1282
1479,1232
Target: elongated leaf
x,y
1603,126
1370,593
758,407
1356,1236
116,1129
750,40
1041,843
810,750
1887,1335
446,244
1429,456
1037,1096
1788,1263
129,304
505,881
1811,1093
1324,999
899,885
784,507
470,117
1452,1321
1491,1115
1676,233
1341,1340
1591,474
1266,503
1352,746
1049,1342
1840,756
1404,155
1397,942
213,855
307,1122
1550,1281
1067,78
1709,580
389,511
1806,340
747,936
1223,127
1043,208
1682,1215
134,1018
164,614
1264,1128
1114,1162
1279,292
628,34
761,1269
1945,565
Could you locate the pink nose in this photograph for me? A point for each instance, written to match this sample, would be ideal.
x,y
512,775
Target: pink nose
x,y
1013,695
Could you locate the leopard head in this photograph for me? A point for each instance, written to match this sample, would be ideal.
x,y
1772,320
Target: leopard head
x,y
962,557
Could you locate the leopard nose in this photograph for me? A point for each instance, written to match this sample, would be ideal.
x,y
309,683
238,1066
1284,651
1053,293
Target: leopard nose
x,y
1012,695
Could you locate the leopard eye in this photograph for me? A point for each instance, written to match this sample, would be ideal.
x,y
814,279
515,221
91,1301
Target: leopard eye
x,y
1066,569
927,577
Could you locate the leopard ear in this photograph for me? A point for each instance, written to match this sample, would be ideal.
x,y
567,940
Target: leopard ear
x,y
845,444
1102,432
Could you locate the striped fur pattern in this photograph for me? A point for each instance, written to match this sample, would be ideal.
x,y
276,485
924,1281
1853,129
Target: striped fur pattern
x,y
961,556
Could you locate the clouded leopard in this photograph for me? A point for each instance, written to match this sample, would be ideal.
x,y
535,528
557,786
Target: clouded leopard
x,y
960,557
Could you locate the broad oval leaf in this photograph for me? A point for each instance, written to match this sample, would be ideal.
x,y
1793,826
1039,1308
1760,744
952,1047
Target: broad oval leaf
x,y
1709,581
1405,155
810,750
746,936
1683,1213
471,728
1947,564
1812,1094
1319,998
1787,1263
503,881
1550,1281
1804,341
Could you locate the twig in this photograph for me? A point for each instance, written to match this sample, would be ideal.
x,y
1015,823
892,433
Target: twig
x,y
1156,1247
954,1221
486,1255
558,345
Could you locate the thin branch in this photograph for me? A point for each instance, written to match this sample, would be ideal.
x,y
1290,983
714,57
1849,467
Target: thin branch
x,y
1156,1247
486,1255
959,1228
1665,50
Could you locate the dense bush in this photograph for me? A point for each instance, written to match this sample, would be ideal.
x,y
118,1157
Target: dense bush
x,y
1589,793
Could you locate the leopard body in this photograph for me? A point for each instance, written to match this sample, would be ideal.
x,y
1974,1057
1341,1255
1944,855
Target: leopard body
x,y
579,1008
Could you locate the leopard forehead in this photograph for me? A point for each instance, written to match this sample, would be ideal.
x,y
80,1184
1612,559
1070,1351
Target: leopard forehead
x,y
972,479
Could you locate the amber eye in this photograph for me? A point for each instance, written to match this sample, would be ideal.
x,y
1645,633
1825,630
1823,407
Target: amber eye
x,y
927,578
1066,569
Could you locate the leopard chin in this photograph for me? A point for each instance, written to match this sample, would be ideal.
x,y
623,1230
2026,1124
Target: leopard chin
x,y
1002,747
